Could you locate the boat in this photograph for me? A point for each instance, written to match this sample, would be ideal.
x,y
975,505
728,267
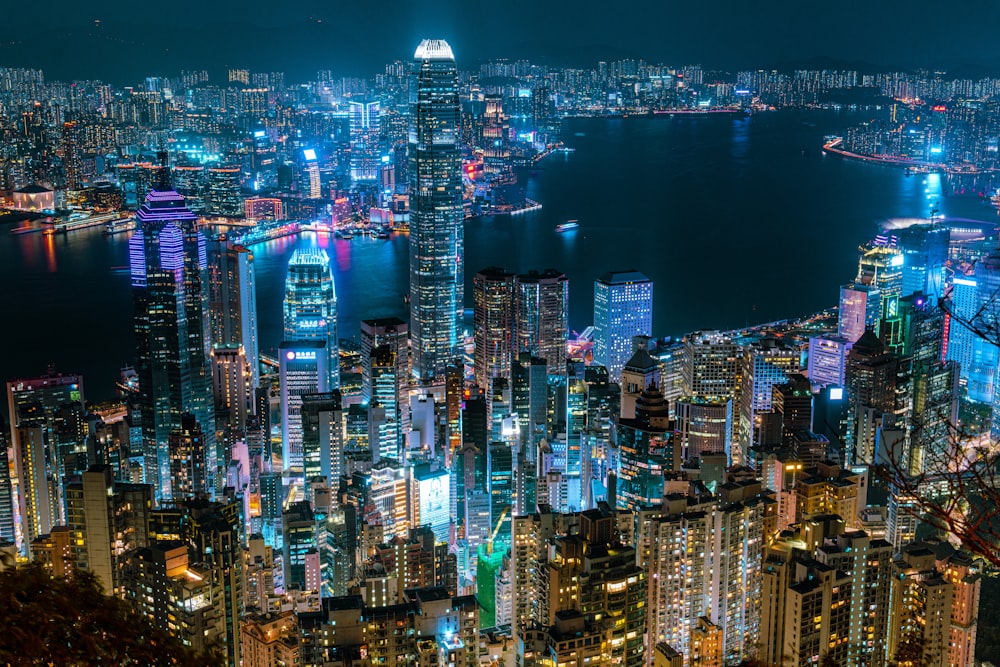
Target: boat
x,y
120,225
567,226
383,235
347,236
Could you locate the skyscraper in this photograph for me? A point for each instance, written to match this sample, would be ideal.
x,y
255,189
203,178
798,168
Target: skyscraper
x,y
541,317
233,301
437,289
390,331
311,305
170,289
302,368
623,308
493,296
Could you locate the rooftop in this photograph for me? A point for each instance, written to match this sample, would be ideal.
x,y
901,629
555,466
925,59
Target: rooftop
x,y
434,49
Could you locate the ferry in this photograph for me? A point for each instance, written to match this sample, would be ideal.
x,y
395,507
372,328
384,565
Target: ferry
x,y
120,225
567,226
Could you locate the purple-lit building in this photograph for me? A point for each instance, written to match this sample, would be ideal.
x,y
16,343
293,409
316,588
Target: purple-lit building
x,y
860,307
168,262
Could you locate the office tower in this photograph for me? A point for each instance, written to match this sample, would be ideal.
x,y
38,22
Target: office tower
x,y
232,301
704,559
871,393
36,493
364,128
393,332
704,425
860,307
323,437
935,598
385,432
711,365
54,404
530,396
623,308
233,390
925,253
828,359
189,470
107,519
502,495
6,490
301,548
493,298
880,265
222,193
170,291
388,499
431,491
647,451
437,289
765,363
310,186
302,369
791,403
190,182
962,342
541,322
310,306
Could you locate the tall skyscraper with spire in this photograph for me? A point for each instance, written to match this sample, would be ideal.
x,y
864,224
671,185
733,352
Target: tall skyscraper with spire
x,y
169,272
311,305
436,232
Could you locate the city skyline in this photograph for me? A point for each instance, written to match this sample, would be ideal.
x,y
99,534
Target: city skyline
x,y
712,473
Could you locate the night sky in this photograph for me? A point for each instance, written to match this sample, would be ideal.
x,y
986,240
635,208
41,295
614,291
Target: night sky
x,y
138,38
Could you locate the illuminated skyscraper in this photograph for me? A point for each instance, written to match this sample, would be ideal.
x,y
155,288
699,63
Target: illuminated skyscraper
x,y
493,296
223,196
233,301
302,368
169,268
623,308
541,317
859,308
437,251
364,127
311,305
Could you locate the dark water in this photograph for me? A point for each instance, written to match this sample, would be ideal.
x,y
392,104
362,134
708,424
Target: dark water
x,y
731,220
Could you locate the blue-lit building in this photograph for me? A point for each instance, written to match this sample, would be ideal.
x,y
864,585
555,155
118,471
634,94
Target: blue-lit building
x,y
647,450
310,306
168,261
925,252
302,370
623,308
437,289
963,344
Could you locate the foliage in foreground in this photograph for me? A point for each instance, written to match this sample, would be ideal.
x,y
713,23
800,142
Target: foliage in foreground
x,y
69,621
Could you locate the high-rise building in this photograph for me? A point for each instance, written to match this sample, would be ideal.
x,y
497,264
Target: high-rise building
x,y
859,308
189,471
323,437
704,425
390,331
385,432
711,365
828,359
36,494
170,289
52,404
541,320
232,385
623,308
437,247
871,394
302,369
493,298
364,128
232,301
107,520
925,254
765,363
310,307
222,193
647,451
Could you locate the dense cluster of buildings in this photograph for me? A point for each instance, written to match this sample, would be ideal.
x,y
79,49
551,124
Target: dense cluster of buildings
x,y
619,500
